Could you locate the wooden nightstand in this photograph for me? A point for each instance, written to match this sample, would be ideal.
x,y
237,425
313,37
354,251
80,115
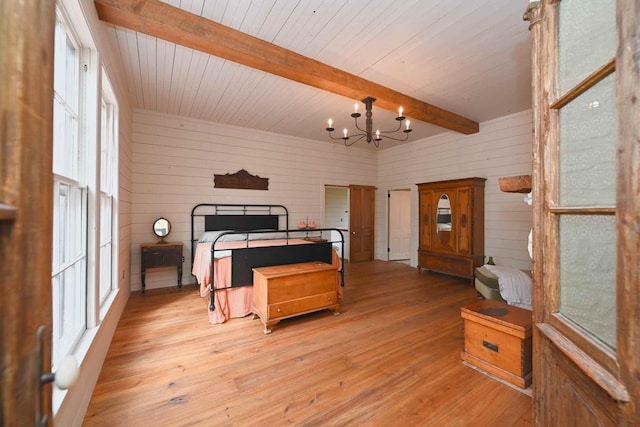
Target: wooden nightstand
x,y
153,255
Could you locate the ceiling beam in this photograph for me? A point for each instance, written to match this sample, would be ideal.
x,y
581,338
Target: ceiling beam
x,y
175,25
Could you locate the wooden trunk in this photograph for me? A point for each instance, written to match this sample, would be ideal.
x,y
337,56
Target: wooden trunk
x,y
497,340
283,291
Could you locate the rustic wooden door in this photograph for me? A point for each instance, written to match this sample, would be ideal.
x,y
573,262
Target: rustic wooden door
x,y
361,222
586,212
26,192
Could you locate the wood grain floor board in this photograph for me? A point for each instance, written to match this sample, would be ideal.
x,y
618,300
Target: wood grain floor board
x,y
391,358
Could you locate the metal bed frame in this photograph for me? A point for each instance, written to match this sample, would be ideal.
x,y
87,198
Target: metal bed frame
x,y
253,220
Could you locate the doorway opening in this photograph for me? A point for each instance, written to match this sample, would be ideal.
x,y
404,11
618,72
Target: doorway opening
x,y
336,212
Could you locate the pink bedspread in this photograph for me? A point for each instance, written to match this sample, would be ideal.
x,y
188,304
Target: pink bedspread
x,y
237,301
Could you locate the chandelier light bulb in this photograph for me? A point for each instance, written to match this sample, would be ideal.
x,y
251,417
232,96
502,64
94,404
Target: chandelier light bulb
x,y
377,133
355,107
345,132
408,123
330,122
400,112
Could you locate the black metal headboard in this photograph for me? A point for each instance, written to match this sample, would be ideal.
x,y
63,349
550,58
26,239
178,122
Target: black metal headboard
x,y
236,217
240,222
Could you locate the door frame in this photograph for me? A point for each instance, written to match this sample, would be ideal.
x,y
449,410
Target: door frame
x,y
344,230
26,207
575,376
408,216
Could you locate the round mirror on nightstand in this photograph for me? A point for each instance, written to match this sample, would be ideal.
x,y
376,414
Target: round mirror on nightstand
x,y
162,228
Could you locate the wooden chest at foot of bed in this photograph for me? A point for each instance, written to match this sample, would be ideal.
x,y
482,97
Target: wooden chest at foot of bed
x,y
283,291
497,340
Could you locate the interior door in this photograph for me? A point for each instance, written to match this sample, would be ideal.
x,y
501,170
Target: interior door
x,y
26,192
399,225
586,217
361,222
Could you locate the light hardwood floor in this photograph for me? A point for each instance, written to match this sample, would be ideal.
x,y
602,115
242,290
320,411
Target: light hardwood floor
x,y
392,358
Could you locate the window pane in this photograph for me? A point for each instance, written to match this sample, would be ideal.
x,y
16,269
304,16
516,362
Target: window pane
x,y
588,147
108,188
586,40
105,219
71,74
66,102
71,148
69,308
58,138
77,226
61,246
588,273
105,271
107,148
58,58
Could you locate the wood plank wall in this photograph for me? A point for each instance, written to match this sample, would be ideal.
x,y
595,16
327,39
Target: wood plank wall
x,y
502,148
174,160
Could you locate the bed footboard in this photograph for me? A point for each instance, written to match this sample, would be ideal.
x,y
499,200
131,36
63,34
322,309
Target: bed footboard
x,y
244,260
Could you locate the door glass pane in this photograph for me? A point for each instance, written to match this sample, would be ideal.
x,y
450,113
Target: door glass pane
x,y
588,273
588,147
586,39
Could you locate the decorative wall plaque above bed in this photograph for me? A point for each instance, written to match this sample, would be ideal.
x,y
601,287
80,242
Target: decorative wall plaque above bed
x,y
242,180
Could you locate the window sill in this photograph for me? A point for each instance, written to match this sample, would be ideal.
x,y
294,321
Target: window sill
x,y
81,351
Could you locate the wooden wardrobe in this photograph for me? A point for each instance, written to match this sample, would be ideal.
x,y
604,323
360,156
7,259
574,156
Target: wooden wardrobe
x,y
451,229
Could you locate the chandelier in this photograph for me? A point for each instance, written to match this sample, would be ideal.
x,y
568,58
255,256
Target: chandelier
x,y
368,129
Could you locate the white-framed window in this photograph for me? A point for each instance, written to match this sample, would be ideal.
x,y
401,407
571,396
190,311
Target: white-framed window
x,y
69,251
85,183
108,189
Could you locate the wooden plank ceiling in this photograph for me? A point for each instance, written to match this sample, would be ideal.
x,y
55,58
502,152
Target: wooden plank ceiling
x,y
468,60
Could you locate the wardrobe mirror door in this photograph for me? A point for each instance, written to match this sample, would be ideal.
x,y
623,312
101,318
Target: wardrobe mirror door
x,y
443,220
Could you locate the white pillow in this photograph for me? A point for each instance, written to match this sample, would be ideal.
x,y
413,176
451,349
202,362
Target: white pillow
x,y
210,236
268,236
515,286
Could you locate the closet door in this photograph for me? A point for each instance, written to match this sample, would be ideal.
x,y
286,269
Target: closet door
x,y
585,181
362,202
426,228
464,217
